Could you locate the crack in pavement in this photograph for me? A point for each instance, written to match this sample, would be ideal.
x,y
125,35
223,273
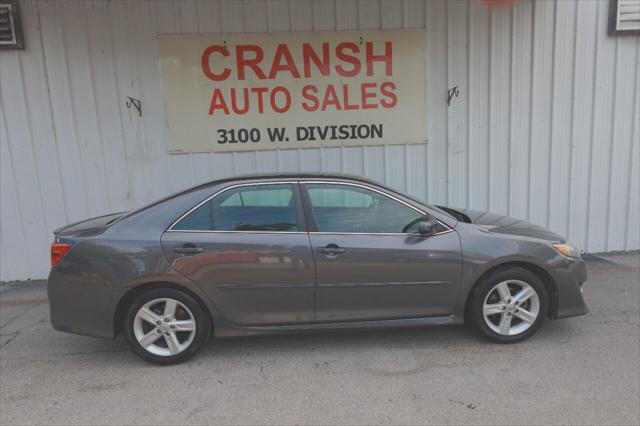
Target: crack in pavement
x,y
6,361
627,320
11,339
25,327
18,316
18,302
92,352
470,406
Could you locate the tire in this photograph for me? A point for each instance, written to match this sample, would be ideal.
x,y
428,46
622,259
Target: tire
x,y
178,336
489,297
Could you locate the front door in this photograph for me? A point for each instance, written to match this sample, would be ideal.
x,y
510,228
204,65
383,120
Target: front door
x,y
367,267
248,250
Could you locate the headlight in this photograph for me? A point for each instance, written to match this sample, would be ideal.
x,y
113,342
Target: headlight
x,y
568,250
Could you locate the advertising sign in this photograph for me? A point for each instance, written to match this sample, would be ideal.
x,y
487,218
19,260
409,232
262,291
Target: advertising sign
x,y
246,92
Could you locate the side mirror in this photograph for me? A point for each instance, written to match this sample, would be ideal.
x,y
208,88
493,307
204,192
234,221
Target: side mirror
x,y
426,228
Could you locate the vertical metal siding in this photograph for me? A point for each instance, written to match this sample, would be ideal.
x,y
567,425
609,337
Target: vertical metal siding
x,y
546,126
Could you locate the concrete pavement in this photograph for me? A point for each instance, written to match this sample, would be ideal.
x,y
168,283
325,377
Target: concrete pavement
x,y
583,370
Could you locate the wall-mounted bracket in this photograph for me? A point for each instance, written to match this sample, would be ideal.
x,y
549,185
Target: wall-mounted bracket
x,y
454,91
137,104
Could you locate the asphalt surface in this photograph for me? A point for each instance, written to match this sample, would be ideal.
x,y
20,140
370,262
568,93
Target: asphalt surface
x,y
583,370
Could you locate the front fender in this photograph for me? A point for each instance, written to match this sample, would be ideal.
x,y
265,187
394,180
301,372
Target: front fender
x,y
483,251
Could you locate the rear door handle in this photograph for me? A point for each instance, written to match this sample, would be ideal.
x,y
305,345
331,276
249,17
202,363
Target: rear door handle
x,y
188,248
331,250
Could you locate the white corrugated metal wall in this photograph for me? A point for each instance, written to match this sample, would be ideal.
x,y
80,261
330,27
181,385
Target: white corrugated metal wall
x,y
545,128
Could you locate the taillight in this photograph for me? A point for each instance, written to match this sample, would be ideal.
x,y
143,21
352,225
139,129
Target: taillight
x,y
58,250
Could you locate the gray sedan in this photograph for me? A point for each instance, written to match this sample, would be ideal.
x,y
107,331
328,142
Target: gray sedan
x,y
304,252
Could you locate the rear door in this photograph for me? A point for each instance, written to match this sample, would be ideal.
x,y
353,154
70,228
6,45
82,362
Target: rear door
x,y
367,267
248,249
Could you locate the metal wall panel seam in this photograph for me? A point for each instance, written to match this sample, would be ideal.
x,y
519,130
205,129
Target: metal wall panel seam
x,y
613,115
593,111
551,111
489,118
531,95
634,127
571,128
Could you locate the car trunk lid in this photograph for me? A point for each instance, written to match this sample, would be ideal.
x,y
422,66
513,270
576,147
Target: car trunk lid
x,y
86,225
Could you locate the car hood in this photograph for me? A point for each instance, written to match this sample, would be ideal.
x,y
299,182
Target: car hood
x,y
502,224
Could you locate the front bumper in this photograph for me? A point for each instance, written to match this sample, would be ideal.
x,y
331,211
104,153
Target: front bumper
x,y
570,276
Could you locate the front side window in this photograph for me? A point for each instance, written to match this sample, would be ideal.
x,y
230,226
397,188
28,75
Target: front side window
x,y
246,208
343,208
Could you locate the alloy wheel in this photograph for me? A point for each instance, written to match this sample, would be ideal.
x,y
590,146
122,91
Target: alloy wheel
x,y
164,327
511,307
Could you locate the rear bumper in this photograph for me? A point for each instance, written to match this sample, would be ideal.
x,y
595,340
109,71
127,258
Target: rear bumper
x,y
79,307
570,278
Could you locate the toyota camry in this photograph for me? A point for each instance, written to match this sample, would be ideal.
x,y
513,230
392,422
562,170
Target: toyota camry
x,y
302,252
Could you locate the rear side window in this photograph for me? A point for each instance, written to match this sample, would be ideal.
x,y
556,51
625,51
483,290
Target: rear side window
x,y
246,208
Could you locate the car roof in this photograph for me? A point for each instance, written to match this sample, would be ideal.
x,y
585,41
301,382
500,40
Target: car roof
x,y
279,175
293,175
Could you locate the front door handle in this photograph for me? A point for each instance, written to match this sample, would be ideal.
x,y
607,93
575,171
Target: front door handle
x,y
188,248
331,250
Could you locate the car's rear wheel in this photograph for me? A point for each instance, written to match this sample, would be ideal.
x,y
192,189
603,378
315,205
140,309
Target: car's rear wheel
x,y
509,305
166,326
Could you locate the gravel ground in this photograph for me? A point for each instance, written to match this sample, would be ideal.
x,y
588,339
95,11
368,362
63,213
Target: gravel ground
x,y
583,370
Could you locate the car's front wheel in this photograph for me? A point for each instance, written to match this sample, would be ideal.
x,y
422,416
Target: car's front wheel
x,y
509,305
166,326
